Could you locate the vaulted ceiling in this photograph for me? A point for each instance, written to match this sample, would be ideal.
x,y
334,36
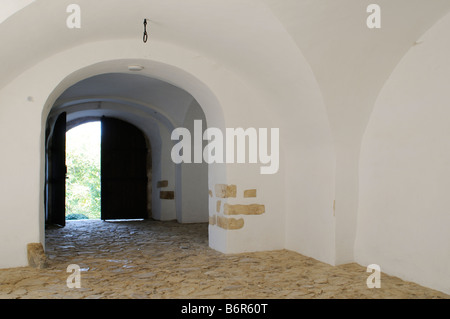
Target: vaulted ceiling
x,y
350,61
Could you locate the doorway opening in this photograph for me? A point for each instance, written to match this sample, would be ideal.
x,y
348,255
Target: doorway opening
x,y
83,180
97,169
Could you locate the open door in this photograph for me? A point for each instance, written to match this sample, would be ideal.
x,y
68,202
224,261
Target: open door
x,y
123,171
56,174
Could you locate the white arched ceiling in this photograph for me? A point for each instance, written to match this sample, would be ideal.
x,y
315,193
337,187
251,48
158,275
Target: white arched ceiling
x,y
160,100
350,61
243,35
9,7
168,101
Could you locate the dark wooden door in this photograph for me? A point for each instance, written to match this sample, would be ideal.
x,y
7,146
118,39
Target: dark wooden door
x,y
57,171
123,171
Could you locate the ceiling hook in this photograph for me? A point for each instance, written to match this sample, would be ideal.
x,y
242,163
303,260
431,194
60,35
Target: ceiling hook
x,y
145,37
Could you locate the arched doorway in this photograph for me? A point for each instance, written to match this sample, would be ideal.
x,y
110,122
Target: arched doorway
x,y
155,108
157,121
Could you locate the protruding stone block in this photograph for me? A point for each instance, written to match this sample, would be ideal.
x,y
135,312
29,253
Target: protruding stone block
x,y
167,195
225,191
250,193
162,184
230,223
36,256
218,204
253,209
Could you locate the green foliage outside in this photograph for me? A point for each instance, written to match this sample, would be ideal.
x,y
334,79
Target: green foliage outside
x,y
83,172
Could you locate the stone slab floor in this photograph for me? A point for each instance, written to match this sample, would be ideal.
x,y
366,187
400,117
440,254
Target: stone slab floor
x,y
151,259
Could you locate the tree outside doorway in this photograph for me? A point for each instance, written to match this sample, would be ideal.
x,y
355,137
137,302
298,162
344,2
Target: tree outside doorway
x,y
83,184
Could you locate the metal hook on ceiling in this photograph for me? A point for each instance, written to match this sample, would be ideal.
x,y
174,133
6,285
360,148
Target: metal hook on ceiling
x,y
145,37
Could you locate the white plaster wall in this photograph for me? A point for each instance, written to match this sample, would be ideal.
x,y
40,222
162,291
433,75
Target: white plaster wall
x,y
351,63
404,219
193,206
20,180
167,168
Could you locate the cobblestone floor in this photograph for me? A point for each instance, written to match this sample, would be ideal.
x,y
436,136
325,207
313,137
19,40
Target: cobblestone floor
x,y
153,259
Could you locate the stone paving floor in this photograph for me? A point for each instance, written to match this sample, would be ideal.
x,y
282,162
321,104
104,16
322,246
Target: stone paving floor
x,y
151,259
